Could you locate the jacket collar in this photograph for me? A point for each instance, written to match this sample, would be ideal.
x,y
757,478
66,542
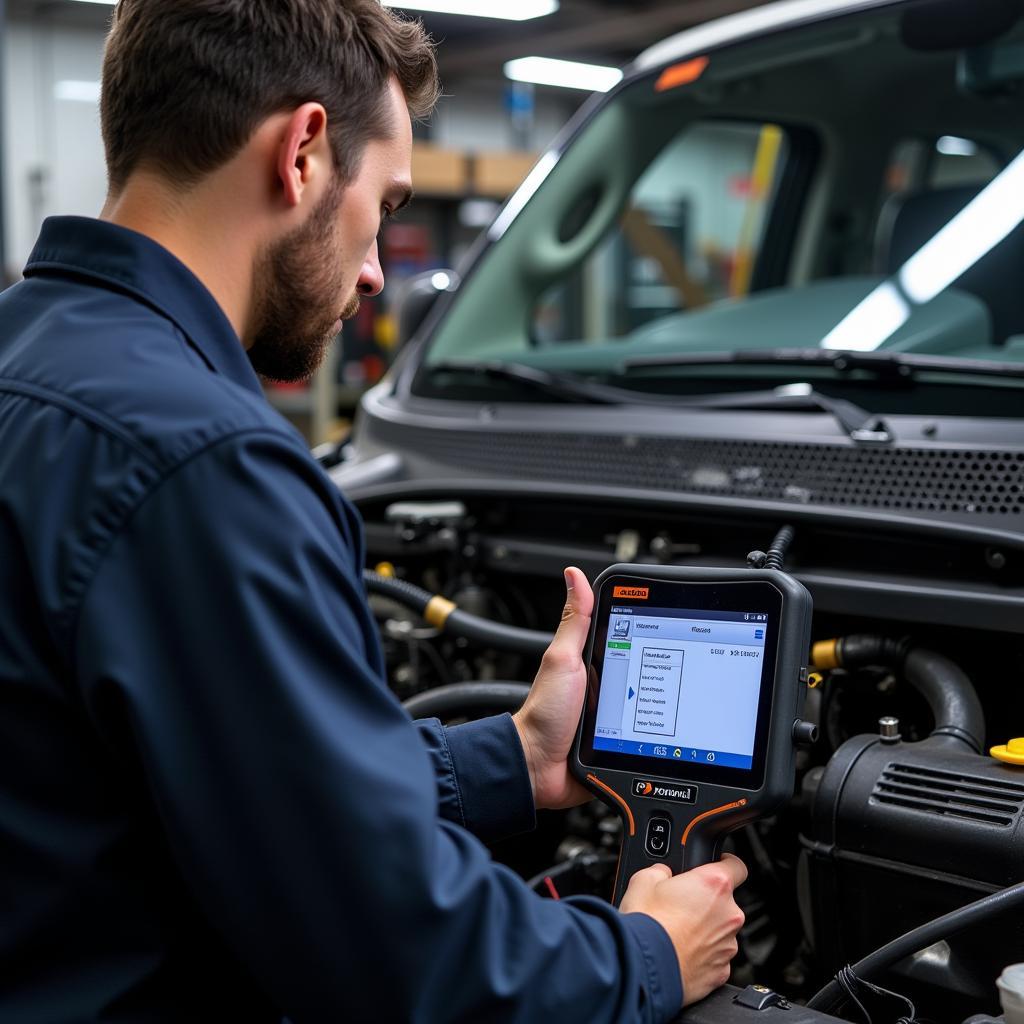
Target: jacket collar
x,y
130,262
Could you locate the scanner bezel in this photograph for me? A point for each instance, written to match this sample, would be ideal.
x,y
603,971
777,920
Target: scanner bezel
x,y
755,596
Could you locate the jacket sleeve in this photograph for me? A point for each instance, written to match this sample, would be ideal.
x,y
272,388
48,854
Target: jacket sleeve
x,y
225,649
483,783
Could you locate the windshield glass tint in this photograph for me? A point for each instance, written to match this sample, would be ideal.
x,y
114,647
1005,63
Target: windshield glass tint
x,y
850,185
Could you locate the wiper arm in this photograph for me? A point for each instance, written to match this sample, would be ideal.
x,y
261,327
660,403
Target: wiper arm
x,y
860,425
902,366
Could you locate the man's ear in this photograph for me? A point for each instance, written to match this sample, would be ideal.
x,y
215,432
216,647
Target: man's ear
x,y
304,152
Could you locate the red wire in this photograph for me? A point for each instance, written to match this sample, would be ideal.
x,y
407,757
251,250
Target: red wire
x,y
551,887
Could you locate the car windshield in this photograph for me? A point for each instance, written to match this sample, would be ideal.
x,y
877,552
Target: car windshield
x,y
850,185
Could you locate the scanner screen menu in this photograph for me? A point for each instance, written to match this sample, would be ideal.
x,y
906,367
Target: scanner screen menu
x,y
681,684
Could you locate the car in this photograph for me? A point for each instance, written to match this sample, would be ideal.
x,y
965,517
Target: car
x,y
773,277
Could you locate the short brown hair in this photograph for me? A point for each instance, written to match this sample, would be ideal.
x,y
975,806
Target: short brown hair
x,y
186,82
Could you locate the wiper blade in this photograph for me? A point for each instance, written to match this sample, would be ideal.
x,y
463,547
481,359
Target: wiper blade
x,y
859,424
904,366
552,384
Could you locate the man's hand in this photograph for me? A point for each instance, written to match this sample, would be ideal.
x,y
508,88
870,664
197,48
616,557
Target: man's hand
x,y
699,913
547,721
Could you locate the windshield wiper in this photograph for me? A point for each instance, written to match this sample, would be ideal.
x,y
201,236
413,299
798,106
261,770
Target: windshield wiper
x,y
553,385
859,424
900,366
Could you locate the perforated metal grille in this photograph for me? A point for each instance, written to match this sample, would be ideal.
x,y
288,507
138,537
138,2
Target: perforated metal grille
x,y
949,794
940,481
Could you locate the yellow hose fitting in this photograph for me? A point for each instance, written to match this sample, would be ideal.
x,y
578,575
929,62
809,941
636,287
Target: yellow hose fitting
x,y
437,611
825,654
814,680
385,569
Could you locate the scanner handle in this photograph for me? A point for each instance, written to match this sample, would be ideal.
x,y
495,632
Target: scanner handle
x,y
696,840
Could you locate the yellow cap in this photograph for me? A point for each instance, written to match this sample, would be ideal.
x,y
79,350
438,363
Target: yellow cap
x,y
385,569
1011,753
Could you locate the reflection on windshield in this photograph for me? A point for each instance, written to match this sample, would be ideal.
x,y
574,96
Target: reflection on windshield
x,y
762,207
977,229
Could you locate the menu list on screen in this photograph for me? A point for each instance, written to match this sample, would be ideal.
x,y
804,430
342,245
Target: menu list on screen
x,y
681,684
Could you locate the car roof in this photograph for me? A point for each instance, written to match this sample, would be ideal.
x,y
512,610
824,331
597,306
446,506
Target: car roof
x,y
745,24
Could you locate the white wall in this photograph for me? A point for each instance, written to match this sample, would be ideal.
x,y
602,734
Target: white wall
x,y
472,116
53,152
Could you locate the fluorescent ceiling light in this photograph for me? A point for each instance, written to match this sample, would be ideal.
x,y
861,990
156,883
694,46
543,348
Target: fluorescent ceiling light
x,y
566,74
950,145
507,10
875,319
979,227
82,92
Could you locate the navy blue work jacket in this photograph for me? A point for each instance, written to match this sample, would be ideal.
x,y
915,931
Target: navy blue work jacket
x,y
211,806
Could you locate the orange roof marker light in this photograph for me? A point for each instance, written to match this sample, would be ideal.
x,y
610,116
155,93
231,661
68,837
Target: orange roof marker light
x,y
681,74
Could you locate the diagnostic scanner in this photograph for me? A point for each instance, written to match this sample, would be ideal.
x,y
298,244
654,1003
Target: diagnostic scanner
x,y
695,687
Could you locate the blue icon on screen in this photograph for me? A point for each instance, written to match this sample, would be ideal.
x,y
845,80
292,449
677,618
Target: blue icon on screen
x,y
758,634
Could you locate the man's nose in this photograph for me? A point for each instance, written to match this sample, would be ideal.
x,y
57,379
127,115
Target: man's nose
x,y
371,277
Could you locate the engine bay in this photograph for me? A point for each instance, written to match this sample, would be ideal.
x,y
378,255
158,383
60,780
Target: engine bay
x,y
900,814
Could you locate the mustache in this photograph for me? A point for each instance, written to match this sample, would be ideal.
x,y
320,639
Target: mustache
x,y
351,308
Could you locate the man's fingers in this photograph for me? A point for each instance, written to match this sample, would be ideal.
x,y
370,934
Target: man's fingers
x,y
641,886
736,868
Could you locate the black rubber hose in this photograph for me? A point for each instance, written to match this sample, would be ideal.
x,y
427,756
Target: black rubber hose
x,y
831,996
950,695
460,623
496,634
446,702
407,594
944,685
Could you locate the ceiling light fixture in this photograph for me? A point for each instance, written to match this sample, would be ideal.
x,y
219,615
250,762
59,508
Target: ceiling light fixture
x,y
565,74
77,91
507,10
952,145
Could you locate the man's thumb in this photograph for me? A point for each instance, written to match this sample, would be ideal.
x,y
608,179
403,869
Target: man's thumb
x,y
571,635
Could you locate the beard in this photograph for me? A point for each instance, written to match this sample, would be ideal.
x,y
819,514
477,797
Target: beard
x,y
297,284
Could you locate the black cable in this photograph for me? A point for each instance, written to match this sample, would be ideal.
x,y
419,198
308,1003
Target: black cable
x,y
777,552
847,981
456,699
831,996
583,860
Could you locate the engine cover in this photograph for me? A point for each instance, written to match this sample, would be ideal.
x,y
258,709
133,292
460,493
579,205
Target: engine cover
x,y
901,834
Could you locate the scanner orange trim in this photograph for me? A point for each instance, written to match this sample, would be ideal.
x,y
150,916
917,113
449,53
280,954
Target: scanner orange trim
x,y
713,811
611,792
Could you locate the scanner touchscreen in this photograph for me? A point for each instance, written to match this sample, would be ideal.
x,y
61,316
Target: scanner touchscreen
x,y
681,684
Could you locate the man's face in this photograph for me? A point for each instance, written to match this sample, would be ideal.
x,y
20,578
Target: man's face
x,y
311,280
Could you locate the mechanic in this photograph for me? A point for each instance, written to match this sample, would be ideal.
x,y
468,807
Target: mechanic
x,y
211,805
